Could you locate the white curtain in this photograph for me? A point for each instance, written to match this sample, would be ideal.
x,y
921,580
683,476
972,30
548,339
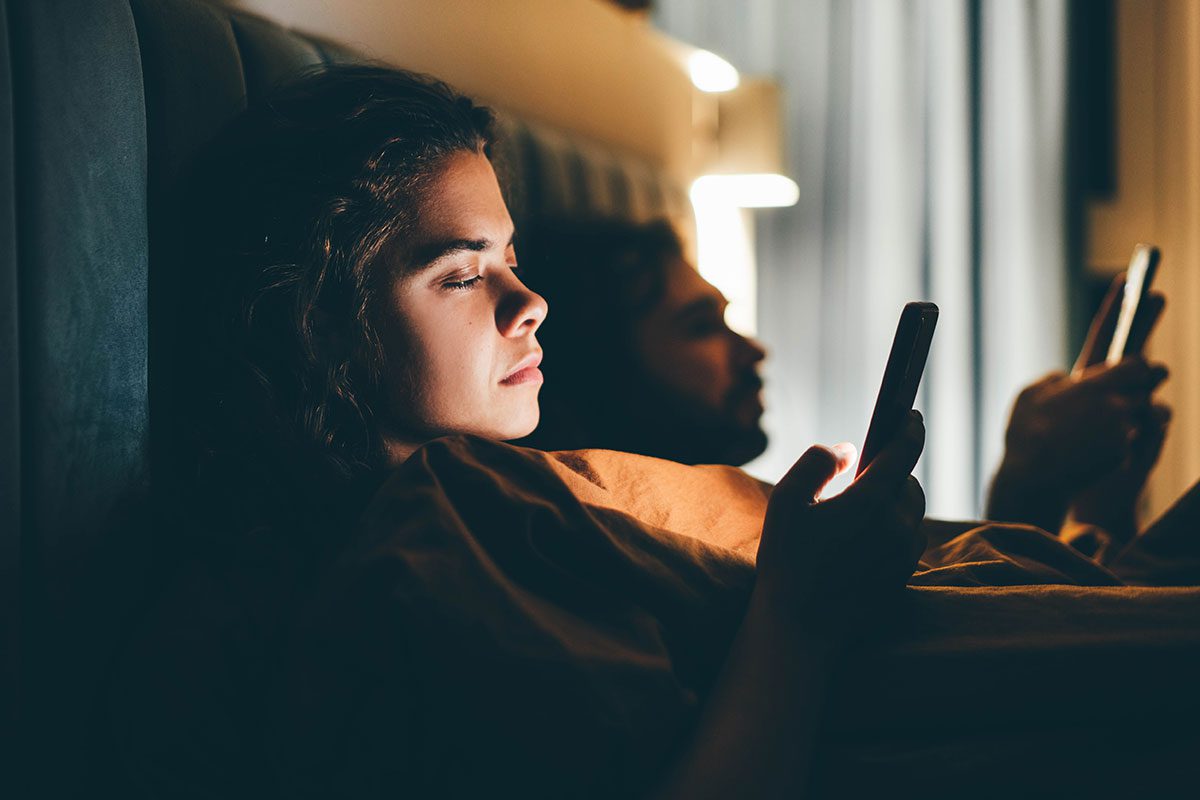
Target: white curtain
x,y
928,140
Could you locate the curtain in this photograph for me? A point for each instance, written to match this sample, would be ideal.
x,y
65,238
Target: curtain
x,y
928,138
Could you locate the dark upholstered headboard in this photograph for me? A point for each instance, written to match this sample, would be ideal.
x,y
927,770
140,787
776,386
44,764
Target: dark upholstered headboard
x,y
102,103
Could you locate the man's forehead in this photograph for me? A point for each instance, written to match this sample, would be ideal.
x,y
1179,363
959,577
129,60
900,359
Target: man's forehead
x,y
686,286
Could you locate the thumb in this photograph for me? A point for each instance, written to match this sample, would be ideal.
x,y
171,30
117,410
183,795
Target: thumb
x,y
815,469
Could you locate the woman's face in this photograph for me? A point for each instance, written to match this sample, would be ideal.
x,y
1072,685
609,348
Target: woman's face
x,y
458,326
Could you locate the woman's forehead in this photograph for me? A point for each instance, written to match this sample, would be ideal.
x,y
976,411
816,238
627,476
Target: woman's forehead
x,y
464,203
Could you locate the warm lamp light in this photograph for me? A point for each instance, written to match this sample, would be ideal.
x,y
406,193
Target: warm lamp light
x,y
739,157
746,191
711,73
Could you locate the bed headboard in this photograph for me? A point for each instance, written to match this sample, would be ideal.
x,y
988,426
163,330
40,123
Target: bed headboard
x,y
103,102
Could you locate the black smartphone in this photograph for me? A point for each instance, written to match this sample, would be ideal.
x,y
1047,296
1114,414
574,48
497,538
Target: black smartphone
x,y
1142,267
901,377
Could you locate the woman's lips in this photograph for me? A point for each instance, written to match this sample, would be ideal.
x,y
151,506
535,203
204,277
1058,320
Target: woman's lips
x,y
527,370
526,375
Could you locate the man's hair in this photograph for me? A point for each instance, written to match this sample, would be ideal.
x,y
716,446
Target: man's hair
x,y
600,266
600,276
300,210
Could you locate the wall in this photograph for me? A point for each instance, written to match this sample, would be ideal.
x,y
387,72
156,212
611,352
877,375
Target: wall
x,y
1177,229
582,65
1120,221
1158,200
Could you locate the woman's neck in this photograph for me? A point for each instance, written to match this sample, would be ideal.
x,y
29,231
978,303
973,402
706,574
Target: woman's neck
x,y
398,451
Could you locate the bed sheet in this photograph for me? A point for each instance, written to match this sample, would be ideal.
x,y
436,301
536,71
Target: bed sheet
x,y
553,621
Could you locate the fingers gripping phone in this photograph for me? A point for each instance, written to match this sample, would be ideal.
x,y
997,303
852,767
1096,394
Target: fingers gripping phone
x,y
901,377
1142,267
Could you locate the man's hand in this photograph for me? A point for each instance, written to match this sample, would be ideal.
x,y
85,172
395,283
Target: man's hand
x,y
1067,432
1087,440
1111,502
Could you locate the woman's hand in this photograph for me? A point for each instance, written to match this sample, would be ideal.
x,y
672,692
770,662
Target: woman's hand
x,y
833,561
822,565
1087,440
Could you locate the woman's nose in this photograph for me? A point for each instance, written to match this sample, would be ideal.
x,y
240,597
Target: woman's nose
x,y
521,312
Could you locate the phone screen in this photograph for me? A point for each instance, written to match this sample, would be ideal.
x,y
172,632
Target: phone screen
x,y
1138,277
901,377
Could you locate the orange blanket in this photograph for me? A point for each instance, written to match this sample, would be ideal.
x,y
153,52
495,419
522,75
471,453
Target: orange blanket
x,y
724,506
513,623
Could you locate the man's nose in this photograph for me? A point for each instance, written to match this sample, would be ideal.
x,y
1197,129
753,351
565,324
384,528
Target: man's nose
x,y
749,350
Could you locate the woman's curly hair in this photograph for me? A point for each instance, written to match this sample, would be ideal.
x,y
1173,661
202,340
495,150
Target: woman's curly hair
x,y
299,210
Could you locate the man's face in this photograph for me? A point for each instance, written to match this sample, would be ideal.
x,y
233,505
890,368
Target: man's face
x,y
705,375
458,326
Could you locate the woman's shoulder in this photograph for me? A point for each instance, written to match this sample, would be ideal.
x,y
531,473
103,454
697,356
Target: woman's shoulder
x,y
715,504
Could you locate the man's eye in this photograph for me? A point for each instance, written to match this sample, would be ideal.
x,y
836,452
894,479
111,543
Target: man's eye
x,y
701,328
463,284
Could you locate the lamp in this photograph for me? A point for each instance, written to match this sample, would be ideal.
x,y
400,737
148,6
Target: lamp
x,y
744,152
738,152
711,73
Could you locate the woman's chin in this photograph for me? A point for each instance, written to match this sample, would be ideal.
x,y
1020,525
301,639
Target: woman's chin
x,y
522,432
520,425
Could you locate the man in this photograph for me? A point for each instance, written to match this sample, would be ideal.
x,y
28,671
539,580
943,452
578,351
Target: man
x,y
639,358
638,355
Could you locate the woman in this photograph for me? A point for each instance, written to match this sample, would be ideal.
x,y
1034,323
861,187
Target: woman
x,y
385,609
385,599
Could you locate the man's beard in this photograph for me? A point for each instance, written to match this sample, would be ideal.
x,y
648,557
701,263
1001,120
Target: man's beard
x,y
686,432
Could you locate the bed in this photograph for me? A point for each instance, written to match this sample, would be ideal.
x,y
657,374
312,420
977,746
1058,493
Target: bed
x,y
971,690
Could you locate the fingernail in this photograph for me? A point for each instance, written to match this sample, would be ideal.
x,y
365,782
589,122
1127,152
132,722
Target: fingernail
x,y
846,452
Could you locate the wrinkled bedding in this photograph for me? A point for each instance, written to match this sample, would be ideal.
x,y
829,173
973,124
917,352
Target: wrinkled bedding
x,y
508,622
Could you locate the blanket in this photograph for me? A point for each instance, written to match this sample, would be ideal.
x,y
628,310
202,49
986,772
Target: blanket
x,y
514,623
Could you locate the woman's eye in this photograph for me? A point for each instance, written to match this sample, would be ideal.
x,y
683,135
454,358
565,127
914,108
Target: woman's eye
x,y
466,283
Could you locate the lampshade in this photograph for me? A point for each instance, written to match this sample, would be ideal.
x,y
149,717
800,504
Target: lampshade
x,y
749,130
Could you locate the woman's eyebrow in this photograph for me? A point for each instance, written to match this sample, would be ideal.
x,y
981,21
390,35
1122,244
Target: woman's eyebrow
x,y
428,254
425,255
